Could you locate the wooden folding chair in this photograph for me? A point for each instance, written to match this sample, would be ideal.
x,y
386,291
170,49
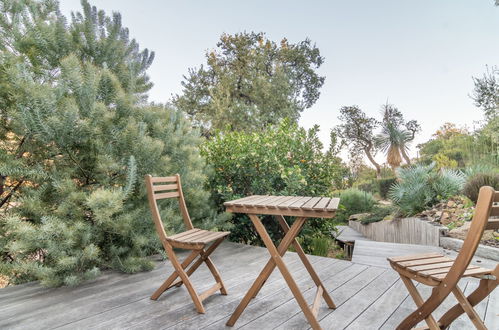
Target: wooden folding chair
x,y
443,273
193,239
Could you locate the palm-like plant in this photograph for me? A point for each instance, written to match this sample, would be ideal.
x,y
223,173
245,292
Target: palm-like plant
x,y
393,141
395,136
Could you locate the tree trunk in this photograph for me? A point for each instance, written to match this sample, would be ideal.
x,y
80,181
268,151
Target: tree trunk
x,y
406,157
371,159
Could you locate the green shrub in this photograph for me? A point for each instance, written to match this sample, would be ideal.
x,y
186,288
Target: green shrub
x,y
353,201
384,186
282,160
421,186
368,186
477,181
377,214
77,137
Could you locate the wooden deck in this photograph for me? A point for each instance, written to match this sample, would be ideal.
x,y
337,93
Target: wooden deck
x,y
367,297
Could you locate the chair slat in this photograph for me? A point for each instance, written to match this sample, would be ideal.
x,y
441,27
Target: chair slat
x,y
163,179
494,212
415,257
427,261
468,272
167,195
165,187
431,266
442,270
493,224
179,235
496,197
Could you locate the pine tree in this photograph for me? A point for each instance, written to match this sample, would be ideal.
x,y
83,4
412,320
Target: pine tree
x,y
77,137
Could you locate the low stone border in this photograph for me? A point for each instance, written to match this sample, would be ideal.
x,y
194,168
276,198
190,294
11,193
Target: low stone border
x,y
483,251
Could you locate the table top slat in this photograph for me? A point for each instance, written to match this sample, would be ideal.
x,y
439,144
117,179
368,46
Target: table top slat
x,y
241,200
321,205
265,202
333,204
288,202
311,203
244,201
281,199
299,203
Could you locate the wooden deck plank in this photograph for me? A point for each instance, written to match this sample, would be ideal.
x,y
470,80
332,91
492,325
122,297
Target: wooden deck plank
x,y
338,276
347,312
366,296
340,295
170,310
81,303
375,253
382,308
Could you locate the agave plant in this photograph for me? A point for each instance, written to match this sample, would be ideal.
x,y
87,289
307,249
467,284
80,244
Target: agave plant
x,y
422,186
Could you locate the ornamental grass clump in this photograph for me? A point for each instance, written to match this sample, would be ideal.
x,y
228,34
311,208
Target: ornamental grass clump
x,y
422,186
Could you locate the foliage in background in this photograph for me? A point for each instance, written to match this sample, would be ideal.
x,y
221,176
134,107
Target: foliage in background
x,y
250,82
353,201
475,182
384,186
378,213
282,160
77,138
421,186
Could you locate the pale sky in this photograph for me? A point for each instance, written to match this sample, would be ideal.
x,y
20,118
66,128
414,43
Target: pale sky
x,y
419,55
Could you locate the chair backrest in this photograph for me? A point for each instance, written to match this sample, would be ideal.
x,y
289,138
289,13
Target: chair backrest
x,y
161,188
480,222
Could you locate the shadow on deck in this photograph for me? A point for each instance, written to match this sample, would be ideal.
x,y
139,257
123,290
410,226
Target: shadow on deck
x,y
367,297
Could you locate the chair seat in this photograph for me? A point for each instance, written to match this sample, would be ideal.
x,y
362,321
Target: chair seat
x,y
432,266
195,238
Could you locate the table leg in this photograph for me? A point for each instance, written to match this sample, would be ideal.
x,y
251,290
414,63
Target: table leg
x,y
267,270
306,263
276,260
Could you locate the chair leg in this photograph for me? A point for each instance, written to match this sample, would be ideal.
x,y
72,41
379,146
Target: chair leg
x,y
430,320
211,266
485,287
169,281
185,279
468,308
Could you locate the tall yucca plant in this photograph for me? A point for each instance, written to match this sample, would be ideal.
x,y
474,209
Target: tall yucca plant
x,y
422,186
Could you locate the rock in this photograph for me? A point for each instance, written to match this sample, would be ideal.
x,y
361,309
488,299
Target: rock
x,y
445,219
460,232
451,204
358,216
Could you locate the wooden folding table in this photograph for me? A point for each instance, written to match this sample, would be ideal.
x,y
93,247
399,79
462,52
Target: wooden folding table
x,y
281,206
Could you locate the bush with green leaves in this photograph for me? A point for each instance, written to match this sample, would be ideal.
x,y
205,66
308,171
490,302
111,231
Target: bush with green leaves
x,y
475,182
282,160
353,201
384,186
77,138
422,186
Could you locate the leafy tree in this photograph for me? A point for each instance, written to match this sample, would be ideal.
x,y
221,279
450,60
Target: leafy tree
x,y
357,132
77,137
282,160
250,82
486,93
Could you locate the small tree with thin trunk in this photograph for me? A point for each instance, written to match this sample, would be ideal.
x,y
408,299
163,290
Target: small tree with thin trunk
x,y
357,132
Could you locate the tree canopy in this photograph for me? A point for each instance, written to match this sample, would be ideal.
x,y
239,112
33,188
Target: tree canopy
x,y
250,82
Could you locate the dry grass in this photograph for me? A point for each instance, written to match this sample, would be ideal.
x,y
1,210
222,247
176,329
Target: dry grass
x,y
3,281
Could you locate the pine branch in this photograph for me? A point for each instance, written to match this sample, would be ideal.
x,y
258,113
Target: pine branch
x,y
11,192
